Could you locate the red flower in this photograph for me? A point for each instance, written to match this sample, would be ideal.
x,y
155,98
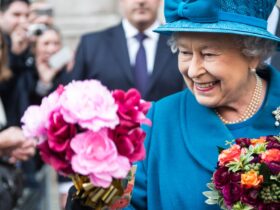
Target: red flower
x,y
130,144
127,136
231,154
132,109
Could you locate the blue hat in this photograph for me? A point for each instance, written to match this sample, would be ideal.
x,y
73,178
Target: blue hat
x,y
243,17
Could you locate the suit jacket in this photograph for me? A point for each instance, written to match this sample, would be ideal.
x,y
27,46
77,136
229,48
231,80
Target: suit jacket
x,y
104,56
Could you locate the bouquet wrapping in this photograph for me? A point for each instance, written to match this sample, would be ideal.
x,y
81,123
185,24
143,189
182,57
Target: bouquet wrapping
x,y
92,135
247,175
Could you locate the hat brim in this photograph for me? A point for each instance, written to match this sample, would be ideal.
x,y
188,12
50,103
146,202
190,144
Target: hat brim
x,y
225,27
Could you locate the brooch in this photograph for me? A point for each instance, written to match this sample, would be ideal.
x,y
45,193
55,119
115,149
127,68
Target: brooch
x,y
276,114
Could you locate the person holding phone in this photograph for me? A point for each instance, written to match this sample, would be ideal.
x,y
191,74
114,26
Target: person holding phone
x,y
51,60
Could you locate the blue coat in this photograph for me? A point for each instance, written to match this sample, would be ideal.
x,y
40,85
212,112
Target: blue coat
x,y
182,149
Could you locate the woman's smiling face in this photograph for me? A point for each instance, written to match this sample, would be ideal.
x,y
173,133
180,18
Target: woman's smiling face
x,y
215,70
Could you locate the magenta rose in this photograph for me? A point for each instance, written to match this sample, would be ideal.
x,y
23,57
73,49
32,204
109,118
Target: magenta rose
x,y
250,196
60,133
96,156
132,110
221,177
56,149
59,161
231,193
274,167
273,143
130,144
269,206
243,142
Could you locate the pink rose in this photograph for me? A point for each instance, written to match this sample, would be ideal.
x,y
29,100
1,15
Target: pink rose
x,y
96,156
89,104
56,149
33,123
132,110
130,144
36,117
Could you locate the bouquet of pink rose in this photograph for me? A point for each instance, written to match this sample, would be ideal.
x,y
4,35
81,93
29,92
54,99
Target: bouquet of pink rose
x,y
247,175
91,134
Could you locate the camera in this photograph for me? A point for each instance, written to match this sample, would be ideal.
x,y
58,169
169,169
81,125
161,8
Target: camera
x,y
36,29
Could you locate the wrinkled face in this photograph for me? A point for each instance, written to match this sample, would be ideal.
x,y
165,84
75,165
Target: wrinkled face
x,y
16,14
47,44
140,13
214,68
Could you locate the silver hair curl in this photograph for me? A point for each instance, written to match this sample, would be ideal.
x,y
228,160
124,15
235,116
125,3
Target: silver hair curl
x,y
250,47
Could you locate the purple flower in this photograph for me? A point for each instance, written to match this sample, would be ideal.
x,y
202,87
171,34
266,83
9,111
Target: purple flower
x,y
235,177
273,143
250,196
256,159
243,142
274,167
269,206
231,193
221,177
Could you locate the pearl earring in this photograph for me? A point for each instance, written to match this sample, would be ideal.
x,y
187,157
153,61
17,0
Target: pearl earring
x,y
253,70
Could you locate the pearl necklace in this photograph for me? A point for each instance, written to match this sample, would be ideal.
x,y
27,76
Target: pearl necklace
x,y
252,107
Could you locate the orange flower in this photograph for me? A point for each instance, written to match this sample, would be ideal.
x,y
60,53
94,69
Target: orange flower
x,y
231,154
251,179
260,140
271,155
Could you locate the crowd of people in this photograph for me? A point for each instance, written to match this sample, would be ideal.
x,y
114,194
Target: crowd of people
x,y
29,39
220,66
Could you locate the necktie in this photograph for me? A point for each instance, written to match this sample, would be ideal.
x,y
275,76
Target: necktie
x,y
140,68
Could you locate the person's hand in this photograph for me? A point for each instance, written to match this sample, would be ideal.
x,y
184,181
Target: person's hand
x,y
14,144
11,137
20,40
45,72
24,151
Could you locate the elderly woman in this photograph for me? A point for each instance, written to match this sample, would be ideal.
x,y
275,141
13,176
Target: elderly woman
x,y
231,93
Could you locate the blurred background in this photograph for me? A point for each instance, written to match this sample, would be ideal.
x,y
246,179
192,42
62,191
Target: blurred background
x,y
75,17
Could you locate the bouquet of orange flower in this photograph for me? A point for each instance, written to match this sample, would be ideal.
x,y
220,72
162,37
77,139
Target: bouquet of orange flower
x,y
247,175
93,135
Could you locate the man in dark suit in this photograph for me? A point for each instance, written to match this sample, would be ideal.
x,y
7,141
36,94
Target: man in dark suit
x,y
110,55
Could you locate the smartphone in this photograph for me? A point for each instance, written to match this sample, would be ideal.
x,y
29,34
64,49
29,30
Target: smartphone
x,y
61,58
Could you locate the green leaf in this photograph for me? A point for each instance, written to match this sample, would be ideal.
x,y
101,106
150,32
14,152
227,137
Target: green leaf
x,y
211,202
212,194
211,186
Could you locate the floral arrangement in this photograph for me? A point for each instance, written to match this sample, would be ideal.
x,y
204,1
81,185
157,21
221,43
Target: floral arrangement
x,y
247,175
91,134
